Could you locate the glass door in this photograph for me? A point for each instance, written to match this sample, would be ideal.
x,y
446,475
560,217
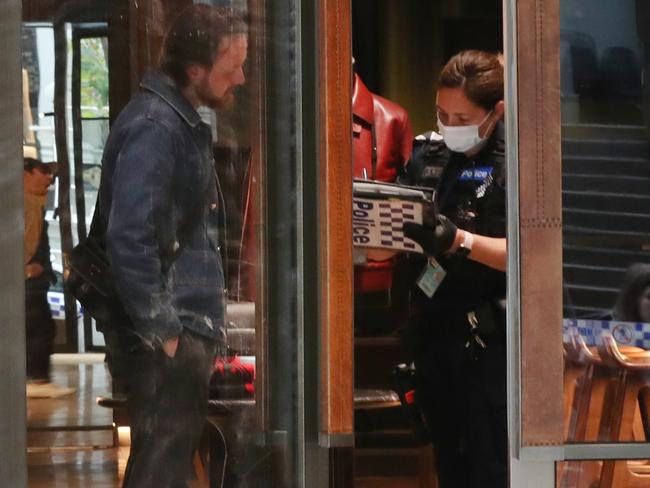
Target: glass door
x,y
89,87
580,234
281,394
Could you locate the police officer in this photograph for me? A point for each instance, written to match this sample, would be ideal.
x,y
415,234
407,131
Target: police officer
x,y
458,305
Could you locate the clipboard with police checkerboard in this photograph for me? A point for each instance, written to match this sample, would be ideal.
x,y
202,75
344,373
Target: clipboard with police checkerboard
x,y
379,211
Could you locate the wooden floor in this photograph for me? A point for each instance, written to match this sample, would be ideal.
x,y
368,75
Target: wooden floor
x,y
70,439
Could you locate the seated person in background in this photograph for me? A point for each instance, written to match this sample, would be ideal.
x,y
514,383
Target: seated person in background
x,y
633,302
382,139
40,329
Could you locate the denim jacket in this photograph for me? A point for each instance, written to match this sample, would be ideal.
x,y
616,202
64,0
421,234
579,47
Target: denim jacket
x,y
161,208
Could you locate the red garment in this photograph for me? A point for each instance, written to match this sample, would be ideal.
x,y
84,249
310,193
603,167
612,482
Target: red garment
x,y
393,138
385,125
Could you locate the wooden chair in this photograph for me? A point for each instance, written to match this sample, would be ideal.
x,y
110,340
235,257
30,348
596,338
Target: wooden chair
x,y
592,385
633,392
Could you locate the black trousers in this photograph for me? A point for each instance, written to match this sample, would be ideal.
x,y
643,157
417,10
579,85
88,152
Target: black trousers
x,y
464,400
39,334
167,402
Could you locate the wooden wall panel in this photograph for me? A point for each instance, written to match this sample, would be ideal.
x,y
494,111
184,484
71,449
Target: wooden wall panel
x,y
538,57
38,10
336,218
64,10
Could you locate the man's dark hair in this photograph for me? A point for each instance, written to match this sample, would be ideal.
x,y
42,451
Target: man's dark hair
x,y
195,36
30,164
635,281
478,73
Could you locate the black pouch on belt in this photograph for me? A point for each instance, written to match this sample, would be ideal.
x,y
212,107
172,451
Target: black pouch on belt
x,y
490,322
486,322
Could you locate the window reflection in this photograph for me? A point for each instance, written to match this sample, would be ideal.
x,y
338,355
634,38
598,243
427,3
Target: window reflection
x,y
606,211
623,473
89,59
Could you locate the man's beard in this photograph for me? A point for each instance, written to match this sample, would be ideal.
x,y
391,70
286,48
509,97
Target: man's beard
x,y
225,102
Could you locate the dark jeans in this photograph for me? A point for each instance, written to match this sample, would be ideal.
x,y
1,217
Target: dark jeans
x,y
40,332
464,401
167,401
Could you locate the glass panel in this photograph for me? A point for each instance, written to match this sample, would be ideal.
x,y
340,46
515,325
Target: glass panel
x,y
623,473
185,194
94,77
38,91
605,53
94,134
38,114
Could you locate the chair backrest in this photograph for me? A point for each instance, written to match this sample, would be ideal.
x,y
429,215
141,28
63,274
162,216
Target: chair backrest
x,y
612,355
576,350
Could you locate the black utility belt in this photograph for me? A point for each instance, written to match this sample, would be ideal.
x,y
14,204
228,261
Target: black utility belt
x,y
488,319
486,324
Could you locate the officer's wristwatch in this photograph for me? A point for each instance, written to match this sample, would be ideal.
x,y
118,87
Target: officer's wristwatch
x,y
465,248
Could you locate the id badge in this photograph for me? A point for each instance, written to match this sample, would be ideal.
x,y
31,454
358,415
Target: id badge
x,y
431,277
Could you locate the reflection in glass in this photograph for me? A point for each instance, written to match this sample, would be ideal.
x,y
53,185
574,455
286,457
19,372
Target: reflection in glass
x,y
94,77
621,473
257,395
605,54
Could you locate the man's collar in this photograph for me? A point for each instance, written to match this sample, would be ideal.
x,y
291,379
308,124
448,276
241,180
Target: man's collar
x,y
163,86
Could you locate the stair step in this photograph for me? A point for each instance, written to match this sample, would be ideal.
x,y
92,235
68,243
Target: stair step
x,y
606,183
609,165
593,256
590,296
593,275
609,146
608,221
603,131
585,312
618,202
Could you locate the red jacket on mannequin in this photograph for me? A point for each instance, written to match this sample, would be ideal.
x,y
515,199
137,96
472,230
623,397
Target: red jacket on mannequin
x,y
382,140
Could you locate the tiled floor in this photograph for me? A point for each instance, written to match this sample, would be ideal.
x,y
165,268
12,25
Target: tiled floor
x,y
70,439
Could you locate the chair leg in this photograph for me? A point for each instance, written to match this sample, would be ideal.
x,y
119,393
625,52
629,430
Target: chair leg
x,y
426,476
644,407
590,421
199,469
574,386
218,454
617,474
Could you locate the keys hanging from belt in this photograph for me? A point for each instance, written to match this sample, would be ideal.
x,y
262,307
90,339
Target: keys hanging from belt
x,y
475,336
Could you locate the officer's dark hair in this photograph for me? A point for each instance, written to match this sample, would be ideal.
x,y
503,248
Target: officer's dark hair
x,y
194,37
478,73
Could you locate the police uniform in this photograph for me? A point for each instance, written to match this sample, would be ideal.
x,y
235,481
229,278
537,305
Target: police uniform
x,y
459,333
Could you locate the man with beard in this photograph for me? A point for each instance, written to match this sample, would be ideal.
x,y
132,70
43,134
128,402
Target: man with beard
x,y
160,205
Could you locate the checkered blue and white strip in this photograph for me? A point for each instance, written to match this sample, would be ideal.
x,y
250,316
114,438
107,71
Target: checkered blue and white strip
x,y
625,333
57,305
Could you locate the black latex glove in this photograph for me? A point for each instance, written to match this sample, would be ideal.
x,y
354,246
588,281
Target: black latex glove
x,y
434,239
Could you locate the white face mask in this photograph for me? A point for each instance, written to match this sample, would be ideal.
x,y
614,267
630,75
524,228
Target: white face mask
x,y
462,138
